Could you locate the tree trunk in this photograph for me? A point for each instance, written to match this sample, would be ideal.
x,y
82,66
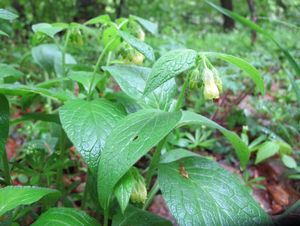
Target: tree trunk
x,y
228,23
252,9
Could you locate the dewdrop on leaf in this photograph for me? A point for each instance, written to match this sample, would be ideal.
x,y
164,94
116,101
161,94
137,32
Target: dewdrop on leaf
x,y
211,90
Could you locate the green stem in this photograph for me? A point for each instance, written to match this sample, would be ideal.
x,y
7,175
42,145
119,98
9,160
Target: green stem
x,y
154,162
6,170
182,93
64,50
106,214
98,65
61,158
85,193
151,195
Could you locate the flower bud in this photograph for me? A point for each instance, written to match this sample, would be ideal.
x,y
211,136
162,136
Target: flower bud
x,y
139,192
195,78
211,90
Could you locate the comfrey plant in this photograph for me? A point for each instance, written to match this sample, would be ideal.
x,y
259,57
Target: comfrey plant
x,y
112,131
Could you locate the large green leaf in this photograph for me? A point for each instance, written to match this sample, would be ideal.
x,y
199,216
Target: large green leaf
x,y
20,90
136,217
7,15
132,80
199,192
242,151
13,196
139,45
65,217
245,66
170,65
132,138
123,190
87,124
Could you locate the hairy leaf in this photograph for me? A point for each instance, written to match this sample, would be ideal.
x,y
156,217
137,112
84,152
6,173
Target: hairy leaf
x,y
168,66
139,45
87,124
148,25
199,192
132,80
132,138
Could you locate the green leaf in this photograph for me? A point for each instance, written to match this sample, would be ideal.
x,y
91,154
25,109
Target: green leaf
x,y
37,116
49,57
87,124
266,150
141,46
241,149
13,196
176,154
8,72
132,138
136,217
132,80
20,90
65,217
109,34
47,29
4,124
243,65
199,192
7,15
148,25
85,78
168,66
288,161
102,19
2,33
123,190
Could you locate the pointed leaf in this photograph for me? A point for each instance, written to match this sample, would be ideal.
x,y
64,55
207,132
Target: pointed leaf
x,y
148,25
47,29
87,124
123,190
86,78
13,196
242,151
7,15
266,150
20,90
170,65
251,71
132,80
141,46
132,138
65,217
199,192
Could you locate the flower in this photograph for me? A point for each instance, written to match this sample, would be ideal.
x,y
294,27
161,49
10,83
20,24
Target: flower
x,y
211,90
